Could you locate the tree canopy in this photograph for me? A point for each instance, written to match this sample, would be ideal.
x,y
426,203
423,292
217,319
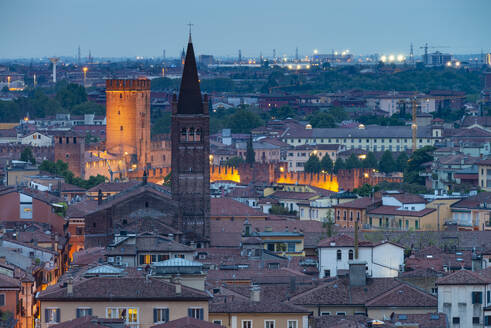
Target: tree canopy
x,y
61,168
313,164
387,163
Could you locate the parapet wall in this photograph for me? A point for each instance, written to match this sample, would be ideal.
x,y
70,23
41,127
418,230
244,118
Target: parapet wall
x,y
141,84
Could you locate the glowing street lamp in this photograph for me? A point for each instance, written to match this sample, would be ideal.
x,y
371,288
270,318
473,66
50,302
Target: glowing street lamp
x,y
85,69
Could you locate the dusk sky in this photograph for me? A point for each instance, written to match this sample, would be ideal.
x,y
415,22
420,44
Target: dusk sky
x,y
119,28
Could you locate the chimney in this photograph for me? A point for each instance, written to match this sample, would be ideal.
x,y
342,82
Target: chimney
x,y
357,273
356,239
145,177
255,293
178,285
293,284
99,197
69,286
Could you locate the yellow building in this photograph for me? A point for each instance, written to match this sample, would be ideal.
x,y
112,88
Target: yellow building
x,y
484,170
370,137
256,312
142,302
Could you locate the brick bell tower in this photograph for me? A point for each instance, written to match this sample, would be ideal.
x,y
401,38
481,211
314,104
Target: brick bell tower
x,y
128,120
190,175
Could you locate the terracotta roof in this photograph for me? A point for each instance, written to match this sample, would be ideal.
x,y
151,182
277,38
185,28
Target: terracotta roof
x,y
113,186
420,273
255,307
403,296
122,288
473,201
408,198
361,203
339,292
467,277
224,233
66,187
344,240
292,195
231,207
187,322
426,320
148,242
91,322
88,256
88,206
8,282
347,321
393,210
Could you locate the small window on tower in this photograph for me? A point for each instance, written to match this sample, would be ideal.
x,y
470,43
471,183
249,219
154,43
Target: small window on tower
x,y
120,95
191,134
121,128
119,112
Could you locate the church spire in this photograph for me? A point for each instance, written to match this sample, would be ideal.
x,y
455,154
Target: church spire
x,y
190,101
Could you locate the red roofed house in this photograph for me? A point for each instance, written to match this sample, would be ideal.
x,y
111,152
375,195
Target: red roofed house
x,y
463,296
402,212
346,214
31,205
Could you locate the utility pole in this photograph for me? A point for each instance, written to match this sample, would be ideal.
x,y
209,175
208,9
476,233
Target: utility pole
x,y
438,215
414,126
411,55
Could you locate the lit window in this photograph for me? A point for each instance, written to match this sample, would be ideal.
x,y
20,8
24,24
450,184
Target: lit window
x,y
52,315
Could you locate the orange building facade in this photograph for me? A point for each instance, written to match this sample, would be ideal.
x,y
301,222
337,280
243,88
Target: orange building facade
x,y
128,120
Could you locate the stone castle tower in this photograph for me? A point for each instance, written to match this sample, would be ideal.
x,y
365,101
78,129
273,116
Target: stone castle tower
x,y
190,174
128,120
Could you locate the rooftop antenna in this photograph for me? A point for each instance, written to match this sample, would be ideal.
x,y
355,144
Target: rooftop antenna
x,y
78,59
240,56
296,54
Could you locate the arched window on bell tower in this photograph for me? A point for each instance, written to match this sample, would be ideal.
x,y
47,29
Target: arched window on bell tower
x,y
197,134
184,134
191,134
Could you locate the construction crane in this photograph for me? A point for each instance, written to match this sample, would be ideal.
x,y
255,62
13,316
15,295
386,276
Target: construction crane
x,y
426,47
414,126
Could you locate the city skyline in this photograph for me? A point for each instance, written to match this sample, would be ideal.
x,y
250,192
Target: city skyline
x,y
221,28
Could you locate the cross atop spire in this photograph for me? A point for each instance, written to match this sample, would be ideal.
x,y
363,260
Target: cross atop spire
x,y
190,27
190,101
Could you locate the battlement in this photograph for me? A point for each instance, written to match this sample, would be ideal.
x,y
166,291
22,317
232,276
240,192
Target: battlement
x,y
140,84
